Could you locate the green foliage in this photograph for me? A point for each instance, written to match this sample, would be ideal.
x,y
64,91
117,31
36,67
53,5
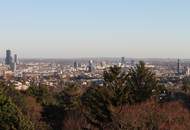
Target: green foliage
x,y
67,102
69,98
142,83
27,105
10,116
116,82
97,106
120,88
16,97
138,85
42,94
54,115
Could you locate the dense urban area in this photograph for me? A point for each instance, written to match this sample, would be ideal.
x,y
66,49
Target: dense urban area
x,y
94,94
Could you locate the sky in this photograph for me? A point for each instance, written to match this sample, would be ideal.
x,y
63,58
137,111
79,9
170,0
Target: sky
x,y
95,28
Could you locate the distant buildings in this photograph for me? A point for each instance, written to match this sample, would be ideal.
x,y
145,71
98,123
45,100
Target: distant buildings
x,y
132,63
103,64
16,59
76,65
8,59
91,66
178,67
13,66
10,62
182,70
187,71
83,72
123,60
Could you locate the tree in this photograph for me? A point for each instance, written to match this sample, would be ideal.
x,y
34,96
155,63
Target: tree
x,y
186,84
42,94
16,96
116,82
34,113
142,82
100,104
11,117
96,107
69,98
54,116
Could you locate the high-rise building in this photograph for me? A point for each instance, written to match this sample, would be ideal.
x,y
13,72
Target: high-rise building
x,y
91,66
8,59
122,60
16,59
76,65
13,67
178,66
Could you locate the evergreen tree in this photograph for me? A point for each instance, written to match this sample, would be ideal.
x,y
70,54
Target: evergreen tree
x,y
142,82
96,107
69,98
42,94
116,82
11,117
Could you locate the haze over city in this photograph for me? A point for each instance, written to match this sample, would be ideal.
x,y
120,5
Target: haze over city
x,y
109,28
94,64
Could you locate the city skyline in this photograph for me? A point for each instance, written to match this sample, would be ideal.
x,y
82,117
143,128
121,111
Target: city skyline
x,y
62,29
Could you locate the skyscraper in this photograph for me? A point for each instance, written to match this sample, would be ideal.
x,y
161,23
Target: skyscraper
x,y
123,60
13,67
91,66
178,66
76,65
16,59
8,59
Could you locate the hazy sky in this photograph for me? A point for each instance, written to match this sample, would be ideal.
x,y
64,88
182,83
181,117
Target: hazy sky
x,y
91,28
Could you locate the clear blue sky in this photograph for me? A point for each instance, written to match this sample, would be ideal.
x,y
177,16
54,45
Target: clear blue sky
x,y
90,28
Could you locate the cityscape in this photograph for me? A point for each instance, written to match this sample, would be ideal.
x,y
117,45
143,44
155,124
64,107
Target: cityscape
x,y
83,71
94,65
